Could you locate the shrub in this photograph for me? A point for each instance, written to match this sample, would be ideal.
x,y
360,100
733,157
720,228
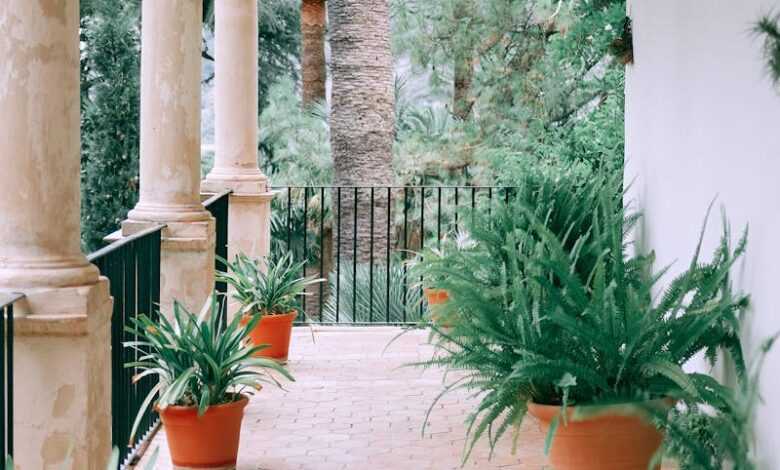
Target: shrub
x,y
553,310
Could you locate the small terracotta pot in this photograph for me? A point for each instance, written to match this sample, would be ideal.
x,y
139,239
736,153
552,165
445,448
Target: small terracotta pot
x,y
436,296
208,441
608,441
274,331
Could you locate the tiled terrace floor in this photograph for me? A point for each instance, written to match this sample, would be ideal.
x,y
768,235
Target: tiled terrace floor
x,y
353,407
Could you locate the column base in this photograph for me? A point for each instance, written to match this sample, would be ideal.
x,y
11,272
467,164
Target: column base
x,y
186,262
145,212
253,182
62,379
249,230
47,272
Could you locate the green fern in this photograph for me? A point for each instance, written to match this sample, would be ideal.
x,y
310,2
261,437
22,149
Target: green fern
x,y
718,431
553,310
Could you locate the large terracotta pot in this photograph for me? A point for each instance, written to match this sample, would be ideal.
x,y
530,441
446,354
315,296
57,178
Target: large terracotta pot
x,y
608,441
274,331
208,441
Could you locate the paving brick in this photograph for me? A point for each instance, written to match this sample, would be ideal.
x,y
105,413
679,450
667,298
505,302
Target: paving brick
x,y
353,407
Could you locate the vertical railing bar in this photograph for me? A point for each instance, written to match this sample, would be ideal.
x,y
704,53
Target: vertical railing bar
x,y
438,220
405,248
9,334
289,218
3,423
473,202
387,257
371,260
354,255
490,202
322,247
457,208
338,252
143,304
305,244
422,239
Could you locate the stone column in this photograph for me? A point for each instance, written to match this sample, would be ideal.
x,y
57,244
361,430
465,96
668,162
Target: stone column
x,y
236,102
62,377
170,151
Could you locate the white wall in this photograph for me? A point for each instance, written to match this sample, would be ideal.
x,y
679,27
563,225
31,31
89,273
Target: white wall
x,y
703,120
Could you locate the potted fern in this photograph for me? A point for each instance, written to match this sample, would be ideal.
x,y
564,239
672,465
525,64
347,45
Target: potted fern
x,y
205,373
270,293
559,321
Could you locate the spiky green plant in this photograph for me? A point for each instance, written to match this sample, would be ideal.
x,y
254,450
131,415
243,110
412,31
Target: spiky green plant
x,y
769,28
196,360
555,311
403,301
718,434
273,289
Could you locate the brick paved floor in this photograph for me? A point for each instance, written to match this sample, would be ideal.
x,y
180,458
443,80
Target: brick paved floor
x,y
353,407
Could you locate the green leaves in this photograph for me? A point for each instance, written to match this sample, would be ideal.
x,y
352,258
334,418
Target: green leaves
x,y
552,309
197,361
270,291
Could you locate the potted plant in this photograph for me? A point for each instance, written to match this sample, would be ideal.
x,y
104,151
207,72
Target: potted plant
x,y
268,292
435,296
205,373
563,324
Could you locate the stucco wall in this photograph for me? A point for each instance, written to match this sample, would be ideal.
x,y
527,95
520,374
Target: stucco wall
x,y
703,120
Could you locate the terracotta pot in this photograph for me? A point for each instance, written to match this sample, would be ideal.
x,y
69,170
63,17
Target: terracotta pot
x,y
436,296
274,331
208,441
609,441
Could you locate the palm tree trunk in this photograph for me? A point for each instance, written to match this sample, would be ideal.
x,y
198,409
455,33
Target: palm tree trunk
x,y
462,101
313,71
362,121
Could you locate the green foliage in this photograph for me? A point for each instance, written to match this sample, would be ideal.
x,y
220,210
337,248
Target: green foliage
x,y
294,142
270,291
404,299
110,124
278,39
546,84
711,436
769,28
552,309
197,361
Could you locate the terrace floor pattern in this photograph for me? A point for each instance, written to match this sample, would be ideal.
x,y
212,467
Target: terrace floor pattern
x,y
354,407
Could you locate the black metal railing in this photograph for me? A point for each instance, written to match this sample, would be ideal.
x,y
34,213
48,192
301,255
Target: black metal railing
x,y
359,238
132,266
218,205
7,374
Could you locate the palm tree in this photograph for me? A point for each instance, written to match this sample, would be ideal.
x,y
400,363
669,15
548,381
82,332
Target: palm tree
x,y
362,119
313,73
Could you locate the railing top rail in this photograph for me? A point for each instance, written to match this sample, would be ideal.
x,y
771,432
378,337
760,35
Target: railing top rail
x,y
390,187
217,197
92,257
8,299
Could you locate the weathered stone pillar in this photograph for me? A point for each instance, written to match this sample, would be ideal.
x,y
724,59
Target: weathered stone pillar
x,y
236,166
170,151
62,377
